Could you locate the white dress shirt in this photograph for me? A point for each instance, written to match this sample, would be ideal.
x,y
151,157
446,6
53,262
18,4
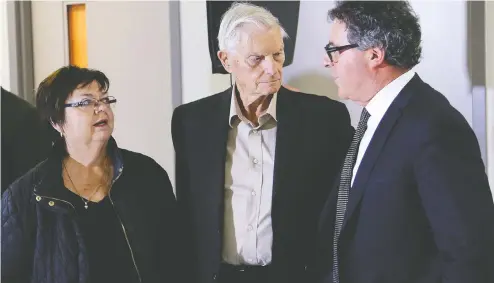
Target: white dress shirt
x,y
377,107
247,231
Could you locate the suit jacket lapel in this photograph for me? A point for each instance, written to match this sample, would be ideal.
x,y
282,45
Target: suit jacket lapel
x,y
289,137
214,141
375,147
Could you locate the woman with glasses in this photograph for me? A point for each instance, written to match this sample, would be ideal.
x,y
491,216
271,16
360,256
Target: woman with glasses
x,y
91,212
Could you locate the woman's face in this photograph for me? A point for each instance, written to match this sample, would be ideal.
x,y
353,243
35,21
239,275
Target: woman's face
x,y
90,123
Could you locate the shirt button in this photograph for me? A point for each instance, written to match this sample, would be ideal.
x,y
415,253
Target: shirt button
x,y
51,203
249,228
255,160
255,132
253,193
250,260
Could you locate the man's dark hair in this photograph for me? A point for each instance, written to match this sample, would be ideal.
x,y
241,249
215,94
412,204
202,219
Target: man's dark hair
x,y
390,25
57,87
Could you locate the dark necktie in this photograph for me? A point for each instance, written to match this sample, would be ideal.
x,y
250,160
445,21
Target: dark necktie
x,y
344,187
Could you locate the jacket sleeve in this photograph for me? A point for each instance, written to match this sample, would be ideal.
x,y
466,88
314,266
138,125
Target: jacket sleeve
x,y
17,235
458,203
181,188
341,130
172,260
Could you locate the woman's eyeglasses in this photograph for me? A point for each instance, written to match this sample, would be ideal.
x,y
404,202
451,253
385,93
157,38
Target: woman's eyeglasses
x,y
92,103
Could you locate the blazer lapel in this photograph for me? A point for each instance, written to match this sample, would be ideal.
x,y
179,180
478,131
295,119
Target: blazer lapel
x,y
375,147
213,156
289,137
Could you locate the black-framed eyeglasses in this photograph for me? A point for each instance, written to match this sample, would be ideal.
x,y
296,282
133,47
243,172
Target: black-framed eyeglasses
x,y
92,103
335,51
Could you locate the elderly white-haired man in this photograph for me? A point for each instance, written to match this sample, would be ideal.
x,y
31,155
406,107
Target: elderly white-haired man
x,y
255,162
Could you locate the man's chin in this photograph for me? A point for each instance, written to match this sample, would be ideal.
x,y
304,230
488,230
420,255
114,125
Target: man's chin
x,y
343,95
271,89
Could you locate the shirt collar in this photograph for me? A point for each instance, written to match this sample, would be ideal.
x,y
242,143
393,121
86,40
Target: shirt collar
x,y
235,111
380,103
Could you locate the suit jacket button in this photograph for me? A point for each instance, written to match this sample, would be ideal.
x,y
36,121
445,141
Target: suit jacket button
x,y
214,276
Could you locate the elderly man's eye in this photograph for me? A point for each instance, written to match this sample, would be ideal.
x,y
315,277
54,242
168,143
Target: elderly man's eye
x,y
253,60
279,56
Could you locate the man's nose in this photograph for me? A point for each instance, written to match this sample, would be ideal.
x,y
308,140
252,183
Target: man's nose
x,y
327,62
269,65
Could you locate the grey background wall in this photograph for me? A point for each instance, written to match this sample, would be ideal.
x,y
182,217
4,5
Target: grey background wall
x,y
137,59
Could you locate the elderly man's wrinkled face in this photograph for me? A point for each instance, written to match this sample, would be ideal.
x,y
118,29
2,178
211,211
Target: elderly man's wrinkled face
x,y
257,61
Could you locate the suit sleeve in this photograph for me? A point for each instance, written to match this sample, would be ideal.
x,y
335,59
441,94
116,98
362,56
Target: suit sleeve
x,y
181,175
27,145
458,203
182,196
341,131
171,257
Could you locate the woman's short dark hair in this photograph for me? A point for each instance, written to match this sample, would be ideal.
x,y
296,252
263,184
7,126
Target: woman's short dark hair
x,y
390,25
57,87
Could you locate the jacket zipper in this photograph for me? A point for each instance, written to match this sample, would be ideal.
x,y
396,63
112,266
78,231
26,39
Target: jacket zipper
x,y
123,228
119,219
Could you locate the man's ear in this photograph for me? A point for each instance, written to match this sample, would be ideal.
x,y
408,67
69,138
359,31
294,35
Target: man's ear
x,y
223,56
375,57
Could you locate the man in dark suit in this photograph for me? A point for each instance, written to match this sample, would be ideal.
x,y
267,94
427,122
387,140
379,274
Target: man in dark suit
x,y
25,140
413,203
255,163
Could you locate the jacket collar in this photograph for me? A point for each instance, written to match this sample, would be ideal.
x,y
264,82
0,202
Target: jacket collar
x,y
48,184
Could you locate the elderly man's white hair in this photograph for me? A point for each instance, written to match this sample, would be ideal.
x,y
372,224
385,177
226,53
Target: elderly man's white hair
x,y
240,14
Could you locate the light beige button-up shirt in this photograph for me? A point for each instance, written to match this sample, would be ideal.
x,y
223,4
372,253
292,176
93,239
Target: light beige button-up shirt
x,y
247,233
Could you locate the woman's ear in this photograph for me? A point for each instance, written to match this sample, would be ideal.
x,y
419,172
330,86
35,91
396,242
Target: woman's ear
x,y
56,127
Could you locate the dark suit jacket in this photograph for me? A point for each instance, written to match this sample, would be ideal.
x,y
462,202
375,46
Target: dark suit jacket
x,y
313,136
25,140
420,209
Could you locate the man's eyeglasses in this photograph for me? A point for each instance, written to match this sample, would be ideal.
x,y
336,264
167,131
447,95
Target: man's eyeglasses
x,y
335,51
92,103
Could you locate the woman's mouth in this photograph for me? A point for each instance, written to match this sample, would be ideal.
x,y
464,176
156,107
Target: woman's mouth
x,y
101,123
